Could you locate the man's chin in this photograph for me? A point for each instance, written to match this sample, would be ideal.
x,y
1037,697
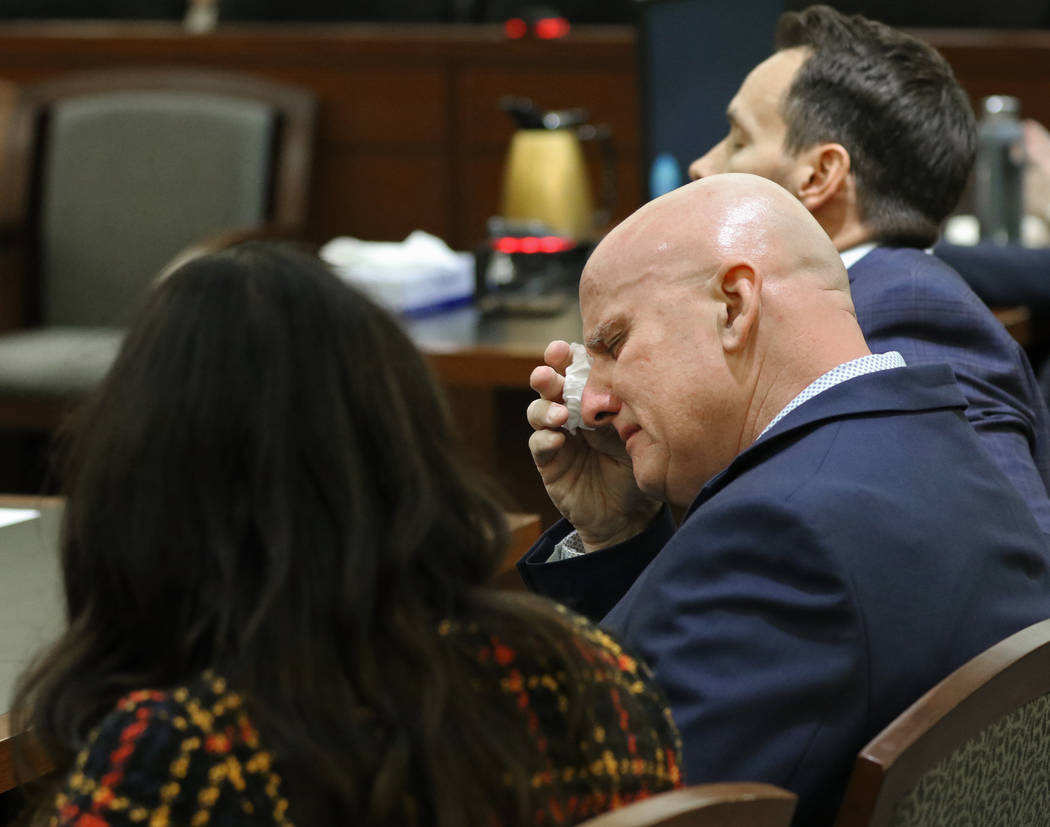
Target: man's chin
x,y
654,489
679,495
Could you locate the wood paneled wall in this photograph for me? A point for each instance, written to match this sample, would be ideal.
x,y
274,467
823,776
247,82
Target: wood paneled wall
x,y
411,133
999,63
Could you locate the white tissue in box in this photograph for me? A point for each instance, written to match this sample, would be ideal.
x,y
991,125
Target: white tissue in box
x,y
415,276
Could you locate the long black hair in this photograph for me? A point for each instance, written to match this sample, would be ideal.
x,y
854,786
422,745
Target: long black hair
x,y
267,484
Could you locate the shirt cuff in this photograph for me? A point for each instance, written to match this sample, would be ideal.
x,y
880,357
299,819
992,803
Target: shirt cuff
x,y
570,546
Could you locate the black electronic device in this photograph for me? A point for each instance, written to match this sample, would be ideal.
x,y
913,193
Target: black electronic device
x,y
527,271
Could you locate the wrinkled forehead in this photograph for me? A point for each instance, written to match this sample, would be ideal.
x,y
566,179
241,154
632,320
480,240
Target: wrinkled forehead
x,y
603,278
621,278
609,274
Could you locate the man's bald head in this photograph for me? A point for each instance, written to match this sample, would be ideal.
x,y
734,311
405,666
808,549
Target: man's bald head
x,y
733,216
706,312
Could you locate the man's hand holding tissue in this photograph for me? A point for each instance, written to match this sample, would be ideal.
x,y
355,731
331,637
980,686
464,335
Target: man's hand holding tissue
x,y
588,474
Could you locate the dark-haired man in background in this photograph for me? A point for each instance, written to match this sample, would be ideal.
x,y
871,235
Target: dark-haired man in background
x,y
869,129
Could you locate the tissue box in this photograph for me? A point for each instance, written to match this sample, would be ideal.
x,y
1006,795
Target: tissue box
x,y
415,277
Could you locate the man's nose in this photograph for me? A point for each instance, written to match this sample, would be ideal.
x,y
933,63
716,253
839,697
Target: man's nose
x,y
598,405
706,164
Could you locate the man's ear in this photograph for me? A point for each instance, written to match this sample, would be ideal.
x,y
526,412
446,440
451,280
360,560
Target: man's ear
x,y
824,171
738,288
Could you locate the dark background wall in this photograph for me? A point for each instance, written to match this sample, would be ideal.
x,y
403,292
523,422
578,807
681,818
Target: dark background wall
x,y
416,11
990,14
939,13
92,9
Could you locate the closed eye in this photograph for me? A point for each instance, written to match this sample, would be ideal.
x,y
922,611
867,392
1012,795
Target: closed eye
x,y
614,344
608,338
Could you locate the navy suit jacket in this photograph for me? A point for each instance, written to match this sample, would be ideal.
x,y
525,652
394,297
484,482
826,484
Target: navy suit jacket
x,y
912,302
854,555
1003,274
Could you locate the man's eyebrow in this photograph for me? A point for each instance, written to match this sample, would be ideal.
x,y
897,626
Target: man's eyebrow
x,y
596,341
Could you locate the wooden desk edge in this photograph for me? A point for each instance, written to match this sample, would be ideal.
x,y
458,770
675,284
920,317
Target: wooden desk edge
x,y
7,768
1017,321
38,761
29,501
525,529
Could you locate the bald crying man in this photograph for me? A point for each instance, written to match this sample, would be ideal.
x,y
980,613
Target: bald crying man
x,y
846,542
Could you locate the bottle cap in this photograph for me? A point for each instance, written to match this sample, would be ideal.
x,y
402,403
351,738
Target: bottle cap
x,y
1001,105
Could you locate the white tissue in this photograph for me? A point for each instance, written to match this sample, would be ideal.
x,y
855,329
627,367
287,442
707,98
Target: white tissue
x,y
410,276
575,378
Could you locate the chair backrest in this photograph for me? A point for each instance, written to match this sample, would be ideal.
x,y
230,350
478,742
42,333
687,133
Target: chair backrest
x,y
975,749
737,804
111,173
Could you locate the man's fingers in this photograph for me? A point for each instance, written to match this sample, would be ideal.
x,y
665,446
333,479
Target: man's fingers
x,y
546,414
547,382
558,355
543,413
545,445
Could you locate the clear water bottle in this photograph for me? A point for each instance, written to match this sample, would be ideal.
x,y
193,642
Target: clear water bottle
x,y
664,175
1000,170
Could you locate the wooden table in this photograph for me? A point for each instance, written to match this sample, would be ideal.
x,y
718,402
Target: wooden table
x,y
38,763
525,529
471,349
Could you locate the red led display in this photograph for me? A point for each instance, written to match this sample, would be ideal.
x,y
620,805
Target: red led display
x,y
533,244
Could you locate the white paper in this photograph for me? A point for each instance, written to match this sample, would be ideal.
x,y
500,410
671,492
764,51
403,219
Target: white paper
x,y
10,516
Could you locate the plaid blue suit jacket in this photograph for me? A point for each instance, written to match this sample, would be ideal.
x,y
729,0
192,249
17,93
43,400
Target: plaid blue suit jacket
x,y
841,565
914,303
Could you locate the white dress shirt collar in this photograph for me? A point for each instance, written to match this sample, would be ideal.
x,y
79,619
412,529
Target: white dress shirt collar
x,y
855,254
872,363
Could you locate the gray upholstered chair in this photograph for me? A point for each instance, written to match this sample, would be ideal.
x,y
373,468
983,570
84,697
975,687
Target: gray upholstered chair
x,y
974,750
105,176
737,804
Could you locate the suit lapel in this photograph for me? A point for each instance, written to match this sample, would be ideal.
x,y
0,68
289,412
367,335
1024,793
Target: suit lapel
x,y
909,389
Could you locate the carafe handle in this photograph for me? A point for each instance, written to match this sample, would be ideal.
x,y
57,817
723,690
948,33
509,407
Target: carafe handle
x,y
602,135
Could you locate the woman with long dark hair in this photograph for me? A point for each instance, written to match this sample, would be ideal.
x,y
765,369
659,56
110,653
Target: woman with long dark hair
x,y
275,568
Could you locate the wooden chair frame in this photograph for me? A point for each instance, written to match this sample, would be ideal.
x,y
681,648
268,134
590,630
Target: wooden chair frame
x,y
1003,678
23,116
737,804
